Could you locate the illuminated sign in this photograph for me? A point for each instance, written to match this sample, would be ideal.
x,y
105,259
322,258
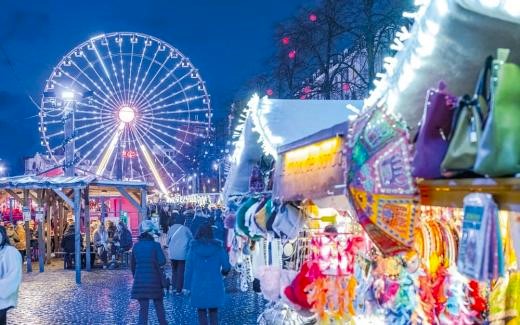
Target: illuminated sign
x,y
315,156
129,154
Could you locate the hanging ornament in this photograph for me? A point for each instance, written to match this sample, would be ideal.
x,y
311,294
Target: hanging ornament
x,y
292,54
346,87
269,92
313,17
285,40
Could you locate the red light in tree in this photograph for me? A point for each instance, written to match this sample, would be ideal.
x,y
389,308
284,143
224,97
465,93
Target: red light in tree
x,y
285,40
346,87
303,97
292,54
306,89
269,92
313,17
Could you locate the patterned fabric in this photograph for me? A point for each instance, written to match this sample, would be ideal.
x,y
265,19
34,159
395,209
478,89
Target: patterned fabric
x,y
379,180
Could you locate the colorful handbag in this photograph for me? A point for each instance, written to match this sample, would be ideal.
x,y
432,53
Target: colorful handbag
x,y
499,150
431,141
467,130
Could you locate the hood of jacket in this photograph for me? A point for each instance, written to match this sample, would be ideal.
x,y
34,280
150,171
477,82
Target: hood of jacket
x,y
206,248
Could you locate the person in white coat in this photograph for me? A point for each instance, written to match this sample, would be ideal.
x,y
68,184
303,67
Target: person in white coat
x,y
10,275
179,238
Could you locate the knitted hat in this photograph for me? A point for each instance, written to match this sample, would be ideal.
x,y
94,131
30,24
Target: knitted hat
x,y
149,227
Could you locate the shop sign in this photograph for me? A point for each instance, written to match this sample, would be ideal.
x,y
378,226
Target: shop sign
x,y
311,171
39,214
26,214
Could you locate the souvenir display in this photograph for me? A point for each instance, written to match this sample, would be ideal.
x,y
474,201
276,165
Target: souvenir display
x,y
431,141
379,180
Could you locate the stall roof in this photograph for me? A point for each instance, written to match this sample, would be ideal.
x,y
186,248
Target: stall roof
x,y
41,182
340,129
449,41
272,123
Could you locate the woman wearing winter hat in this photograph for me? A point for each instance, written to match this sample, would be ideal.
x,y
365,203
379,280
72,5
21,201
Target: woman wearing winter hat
x,y
147,260
10,275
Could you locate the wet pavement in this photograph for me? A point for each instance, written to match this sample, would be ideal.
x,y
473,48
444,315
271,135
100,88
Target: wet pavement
x,y
104,298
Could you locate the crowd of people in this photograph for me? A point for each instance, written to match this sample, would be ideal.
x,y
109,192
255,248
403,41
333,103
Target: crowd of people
x,y
193,240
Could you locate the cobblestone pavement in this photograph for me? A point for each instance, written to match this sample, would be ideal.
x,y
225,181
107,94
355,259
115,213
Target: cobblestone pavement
x,y
104,298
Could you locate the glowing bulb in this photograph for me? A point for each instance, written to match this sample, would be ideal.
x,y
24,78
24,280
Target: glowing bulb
x,y
67,95
126,114
512,7
490,3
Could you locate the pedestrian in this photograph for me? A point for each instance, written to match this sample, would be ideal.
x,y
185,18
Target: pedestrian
x,y
199,220
12,235
10,275
146,262
21,244
69,245
123,237
101,244
206,264
179,238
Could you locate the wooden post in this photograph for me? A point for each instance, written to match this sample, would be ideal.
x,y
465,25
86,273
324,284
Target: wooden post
x,y
27,233
77,233
103,210
48,208
87,228
57,226
142,212
41,245
61,216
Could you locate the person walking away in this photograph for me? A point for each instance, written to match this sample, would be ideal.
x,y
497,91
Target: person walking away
x,y
21,245
199,220
179,238
10,275
101,244
146,262
206,264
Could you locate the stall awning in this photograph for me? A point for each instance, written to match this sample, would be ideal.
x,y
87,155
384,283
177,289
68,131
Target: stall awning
x,y
313,167
34,182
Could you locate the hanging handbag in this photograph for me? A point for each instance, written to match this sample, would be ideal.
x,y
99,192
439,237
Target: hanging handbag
x,y
431,142
499,150
467,127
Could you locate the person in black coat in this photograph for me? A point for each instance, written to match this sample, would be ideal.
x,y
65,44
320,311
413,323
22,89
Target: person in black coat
x,y
147,260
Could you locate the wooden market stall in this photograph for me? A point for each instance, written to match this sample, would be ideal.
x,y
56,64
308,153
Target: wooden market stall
x,y
57,196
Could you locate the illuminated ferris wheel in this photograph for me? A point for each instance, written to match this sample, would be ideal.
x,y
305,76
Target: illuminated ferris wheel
x,y
131,105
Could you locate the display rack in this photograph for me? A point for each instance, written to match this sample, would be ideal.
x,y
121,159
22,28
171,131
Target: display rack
x,y
451,192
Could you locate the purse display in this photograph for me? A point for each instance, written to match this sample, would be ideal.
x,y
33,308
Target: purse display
x,y
467,127
499,149
431,142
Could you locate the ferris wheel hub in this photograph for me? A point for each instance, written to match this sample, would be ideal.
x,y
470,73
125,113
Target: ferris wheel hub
x,y
126,114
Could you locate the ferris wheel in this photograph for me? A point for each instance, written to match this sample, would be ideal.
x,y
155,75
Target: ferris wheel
x,y
138,107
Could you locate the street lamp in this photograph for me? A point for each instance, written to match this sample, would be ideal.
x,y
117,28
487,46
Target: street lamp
x,y
2,170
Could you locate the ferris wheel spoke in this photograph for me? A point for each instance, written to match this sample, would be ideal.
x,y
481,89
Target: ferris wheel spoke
x,y
144,136
132,93
151,165
173,95
142,93
121,65
90,125
130,69
167,126
107,109
109,150
102,142
176,82
110,94
146,131
136,147
107,98
161,81
107,74
143,79
155,127
183,111
114,70
92,99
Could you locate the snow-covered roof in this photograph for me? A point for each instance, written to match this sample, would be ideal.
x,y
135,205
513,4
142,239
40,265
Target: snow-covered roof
x,y
272,123
41,182
449,41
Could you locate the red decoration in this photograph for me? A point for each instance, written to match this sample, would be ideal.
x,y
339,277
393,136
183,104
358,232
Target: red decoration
x,y
285,40
313,17
269,92
303,97
346,87
292,54
129,154
307,89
